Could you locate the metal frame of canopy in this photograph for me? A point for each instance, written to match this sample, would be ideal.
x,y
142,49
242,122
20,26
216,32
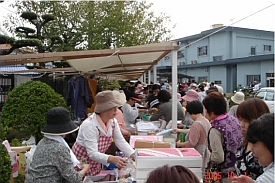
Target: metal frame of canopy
x,y
122,63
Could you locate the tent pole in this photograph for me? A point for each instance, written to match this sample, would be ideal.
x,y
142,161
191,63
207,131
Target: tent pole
x,y
155,74
174,90
149,76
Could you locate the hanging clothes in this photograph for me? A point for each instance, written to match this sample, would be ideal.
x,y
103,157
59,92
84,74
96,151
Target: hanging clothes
x,y
93,88
79,97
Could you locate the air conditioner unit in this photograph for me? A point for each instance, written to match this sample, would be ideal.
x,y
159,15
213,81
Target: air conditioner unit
x,y
195,61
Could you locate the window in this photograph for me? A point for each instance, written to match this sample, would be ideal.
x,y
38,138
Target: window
x,y
267,47
218,82
202,51
181,54
252,78
269,96
261,94
253,51
182,63
217,58
202,79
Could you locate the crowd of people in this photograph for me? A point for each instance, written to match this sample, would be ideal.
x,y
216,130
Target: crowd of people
x,y
237,142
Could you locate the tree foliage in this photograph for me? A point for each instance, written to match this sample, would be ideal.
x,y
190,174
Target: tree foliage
x,y
5,164
26,107
82,25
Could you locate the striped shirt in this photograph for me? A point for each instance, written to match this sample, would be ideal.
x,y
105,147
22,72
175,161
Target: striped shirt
x,y
268,175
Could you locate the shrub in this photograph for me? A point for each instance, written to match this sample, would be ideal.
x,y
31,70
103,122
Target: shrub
x,y
5,164
105,84
15,143
26,107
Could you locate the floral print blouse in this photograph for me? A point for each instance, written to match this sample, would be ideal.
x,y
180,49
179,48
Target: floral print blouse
x,y
247,164
52,164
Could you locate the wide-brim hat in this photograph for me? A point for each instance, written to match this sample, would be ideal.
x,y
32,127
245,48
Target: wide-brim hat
x,y
191,95
136,99
179,97
107,100
238,97
193,85
59,122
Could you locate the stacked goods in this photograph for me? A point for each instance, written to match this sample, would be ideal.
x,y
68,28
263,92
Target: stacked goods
x,y
150,159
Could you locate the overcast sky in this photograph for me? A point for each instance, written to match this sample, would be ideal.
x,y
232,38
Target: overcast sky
x,y
193,16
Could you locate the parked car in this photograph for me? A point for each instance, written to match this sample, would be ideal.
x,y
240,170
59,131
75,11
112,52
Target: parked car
x,y
267,94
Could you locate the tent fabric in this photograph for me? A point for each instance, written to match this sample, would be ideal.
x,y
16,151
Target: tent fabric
x,y
122,63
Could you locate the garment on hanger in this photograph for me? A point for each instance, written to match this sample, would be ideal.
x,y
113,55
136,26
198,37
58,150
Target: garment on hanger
x,y
79,97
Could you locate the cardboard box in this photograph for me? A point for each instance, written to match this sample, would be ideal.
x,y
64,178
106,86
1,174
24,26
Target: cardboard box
x,y
156,157
151,144
133,139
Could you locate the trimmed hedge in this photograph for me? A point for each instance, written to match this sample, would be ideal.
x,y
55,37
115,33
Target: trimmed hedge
x,y
27,105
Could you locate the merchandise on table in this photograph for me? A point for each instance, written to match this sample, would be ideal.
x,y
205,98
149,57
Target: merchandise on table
x,y
133,139
149,159
151,144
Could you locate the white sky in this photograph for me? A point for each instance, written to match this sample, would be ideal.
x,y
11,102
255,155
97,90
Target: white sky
x,y
193,16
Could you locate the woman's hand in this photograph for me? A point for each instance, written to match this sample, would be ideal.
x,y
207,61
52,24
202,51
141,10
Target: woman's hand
x,y
175,130
153,110
118,161
178,143
133,156
243,179
85,168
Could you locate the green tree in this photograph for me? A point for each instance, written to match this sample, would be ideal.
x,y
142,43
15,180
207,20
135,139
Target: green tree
x,y
31,36
26,107
82,25
124,23
46,39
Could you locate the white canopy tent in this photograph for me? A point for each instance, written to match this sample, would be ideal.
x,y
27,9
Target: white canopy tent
x,y
122,63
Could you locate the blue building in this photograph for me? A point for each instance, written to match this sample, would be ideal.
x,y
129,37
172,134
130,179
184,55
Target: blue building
x,y
228,56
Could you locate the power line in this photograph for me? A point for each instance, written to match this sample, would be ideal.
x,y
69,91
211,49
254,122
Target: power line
x,y
225,27
7,9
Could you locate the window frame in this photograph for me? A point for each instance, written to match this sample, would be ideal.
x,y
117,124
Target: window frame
x,y
253,47
217,58
268,48
202,51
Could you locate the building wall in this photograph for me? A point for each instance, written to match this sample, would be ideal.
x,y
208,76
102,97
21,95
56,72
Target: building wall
x,y
254,68
218,73
245,42
19,79
196,72
219,45
231,43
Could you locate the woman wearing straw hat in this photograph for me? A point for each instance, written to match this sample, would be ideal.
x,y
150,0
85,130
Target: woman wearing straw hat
x,y
53,161
237,99
97,132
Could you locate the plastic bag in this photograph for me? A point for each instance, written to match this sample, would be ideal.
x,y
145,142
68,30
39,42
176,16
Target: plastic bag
x,y
29,142
128,170
29,156
13,158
